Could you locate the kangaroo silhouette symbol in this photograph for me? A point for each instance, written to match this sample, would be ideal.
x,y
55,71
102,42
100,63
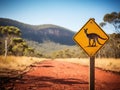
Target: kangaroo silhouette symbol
x,y
93,38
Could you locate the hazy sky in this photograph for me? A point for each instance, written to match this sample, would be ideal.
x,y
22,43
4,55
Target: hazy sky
x,y
71,14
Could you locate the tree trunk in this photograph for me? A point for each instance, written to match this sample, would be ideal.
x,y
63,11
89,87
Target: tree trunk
x,y
5,49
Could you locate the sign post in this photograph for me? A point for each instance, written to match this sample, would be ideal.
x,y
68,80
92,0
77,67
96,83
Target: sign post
x,y
91,39
92,73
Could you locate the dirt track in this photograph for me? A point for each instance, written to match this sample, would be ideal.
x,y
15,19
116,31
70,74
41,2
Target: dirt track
x,y
59,75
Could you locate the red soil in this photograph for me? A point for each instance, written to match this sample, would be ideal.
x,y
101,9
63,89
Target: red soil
x,y
59,75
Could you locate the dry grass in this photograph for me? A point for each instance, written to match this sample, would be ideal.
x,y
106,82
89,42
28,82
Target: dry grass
x,y
110,64
19,64
16,65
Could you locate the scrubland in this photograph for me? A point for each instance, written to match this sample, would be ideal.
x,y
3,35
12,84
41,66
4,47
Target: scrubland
x,y
16,65
108,64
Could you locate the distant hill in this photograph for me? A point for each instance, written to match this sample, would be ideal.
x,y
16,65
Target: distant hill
x,y
41,33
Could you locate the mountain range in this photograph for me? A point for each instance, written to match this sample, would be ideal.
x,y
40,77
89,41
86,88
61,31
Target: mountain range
x,y
41,33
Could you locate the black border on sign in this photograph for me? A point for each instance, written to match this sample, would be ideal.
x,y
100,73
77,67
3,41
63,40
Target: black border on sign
x,y
82,28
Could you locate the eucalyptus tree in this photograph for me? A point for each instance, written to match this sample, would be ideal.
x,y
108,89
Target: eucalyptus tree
x,y
1,40
114,19
11,41
114,41
7,33
102,24
20,47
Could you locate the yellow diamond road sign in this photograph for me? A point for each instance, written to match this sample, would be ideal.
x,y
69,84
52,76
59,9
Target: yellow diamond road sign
x,y
91,37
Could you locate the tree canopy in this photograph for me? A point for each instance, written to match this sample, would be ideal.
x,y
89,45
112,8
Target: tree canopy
x,y
11,42
114,19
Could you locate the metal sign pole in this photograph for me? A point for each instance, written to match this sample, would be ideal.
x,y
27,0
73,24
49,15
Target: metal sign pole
x,y
92,73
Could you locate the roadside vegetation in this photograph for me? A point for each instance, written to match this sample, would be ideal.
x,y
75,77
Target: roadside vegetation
x,y
14,66
11,42
107,64
54,50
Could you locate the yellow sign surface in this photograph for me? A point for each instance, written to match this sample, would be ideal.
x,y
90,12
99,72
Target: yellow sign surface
x,y
91,37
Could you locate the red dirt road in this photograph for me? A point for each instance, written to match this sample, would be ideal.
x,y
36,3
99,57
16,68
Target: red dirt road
x,y
59,75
